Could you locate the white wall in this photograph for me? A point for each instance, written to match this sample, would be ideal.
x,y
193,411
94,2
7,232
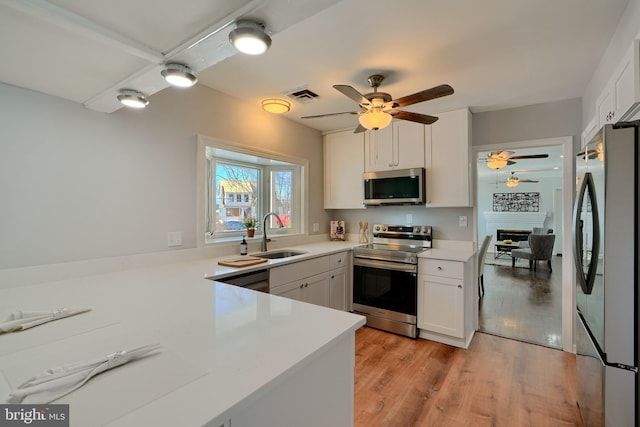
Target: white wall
x,y
76,184
628,29
544,187
443,220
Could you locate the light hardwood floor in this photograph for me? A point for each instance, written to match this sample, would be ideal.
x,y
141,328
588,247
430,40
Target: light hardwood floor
x,y
496,382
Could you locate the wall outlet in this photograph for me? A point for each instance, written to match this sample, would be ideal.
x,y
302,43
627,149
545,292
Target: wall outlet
x,y
316,227
174,238
462,221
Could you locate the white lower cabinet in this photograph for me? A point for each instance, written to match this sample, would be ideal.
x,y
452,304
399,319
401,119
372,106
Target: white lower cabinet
x,y
317,392
445,301
314,289
322,281
441,307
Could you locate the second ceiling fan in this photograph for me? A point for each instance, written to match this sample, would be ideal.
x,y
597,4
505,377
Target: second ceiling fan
x,y
377,109
500,159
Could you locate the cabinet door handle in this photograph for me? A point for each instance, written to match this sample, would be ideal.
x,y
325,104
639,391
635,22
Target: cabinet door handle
x,y
439,268
460,286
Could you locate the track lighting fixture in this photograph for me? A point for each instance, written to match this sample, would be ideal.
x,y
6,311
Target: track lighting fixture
x,y
250,37
179,75
132,98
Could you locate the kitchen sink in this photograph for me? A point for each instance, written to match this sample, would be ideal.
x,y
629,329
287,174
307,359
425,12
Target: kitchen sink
x,y
280,253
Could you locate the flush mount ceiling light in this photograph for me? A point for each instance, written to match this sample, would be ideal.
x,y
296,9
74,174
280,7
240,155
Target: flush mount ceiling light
x,y
132,98
277,106
250,37
179,75
374,120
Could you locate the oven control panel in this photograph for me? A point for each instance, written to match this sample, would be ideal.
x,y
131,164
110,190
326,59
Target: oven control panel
x,y
402,230
403,233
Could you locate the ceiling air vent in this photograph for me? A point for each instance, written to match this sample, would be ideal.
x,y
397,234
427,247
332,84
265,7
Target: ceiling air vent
x,y
302,95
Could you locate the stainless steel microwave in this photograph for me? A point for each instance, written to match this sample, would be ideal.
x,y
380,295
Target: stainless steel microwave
x,y
394,187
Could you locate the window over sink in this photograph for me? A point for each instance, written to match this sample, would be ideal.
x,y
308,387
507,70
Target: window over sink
x,y
237,182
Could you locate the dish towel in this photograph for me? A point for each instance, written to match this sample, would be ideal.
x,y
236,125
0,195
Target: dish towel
x,y
22,320
57,382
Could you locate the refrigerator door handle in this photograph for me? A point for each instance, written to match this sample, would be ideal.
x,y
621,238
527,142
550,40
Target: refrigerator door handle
x,y
586,274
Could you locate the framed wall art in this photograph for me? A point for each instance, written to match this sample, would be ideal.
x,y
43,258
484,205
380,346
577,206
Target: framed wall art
x,y
516,202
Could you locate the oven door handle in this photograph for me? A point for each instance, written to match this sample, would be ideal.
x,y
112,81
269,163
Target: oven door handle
x,y
385,265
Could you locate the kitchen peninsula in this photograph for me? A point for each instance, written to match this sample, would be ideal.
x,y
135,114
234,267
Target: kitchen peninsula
x,y
228,354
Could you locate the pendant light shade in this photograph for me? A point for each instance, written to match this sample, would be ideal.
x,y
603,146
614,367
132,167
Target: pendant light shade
x,y
179,75
132,98
274,105
375,120
250,37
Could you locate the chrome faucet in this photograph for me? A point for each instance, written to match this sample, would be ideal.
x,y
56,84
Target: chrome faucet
x,y
264,229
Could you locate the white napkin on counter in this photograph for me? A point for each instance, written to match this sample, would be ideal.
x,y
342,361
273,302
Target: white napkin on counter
x,y
57,382
21,320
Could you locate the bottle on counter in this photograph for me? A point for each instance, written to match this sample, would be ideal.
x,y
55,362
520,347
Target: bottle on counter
x,y
243,246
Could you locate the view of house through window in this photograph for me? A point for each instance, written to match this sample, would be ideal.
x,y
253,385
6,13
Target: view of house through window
x,y
242,186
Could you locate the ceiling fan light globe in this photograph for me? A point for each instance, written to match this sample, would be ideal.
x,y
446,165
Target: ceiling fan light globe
x,y
512,182
375,120
496,163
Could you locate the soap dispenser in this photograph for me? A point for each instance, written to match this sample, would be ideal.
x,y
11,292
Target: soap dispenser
x,y
243,246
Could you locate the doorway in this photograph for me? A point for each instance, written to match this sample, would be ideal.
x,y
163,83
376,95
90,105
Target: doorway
x,y
529,289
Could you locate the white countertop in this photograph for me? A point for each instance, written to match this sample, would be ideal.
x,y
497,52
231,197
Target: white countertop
x,y
221,344
213,269
448,254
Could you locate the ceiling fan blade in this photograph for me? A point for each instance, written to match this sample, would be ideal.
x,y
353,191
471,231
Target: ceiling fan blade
x,y
413,117
329,114
528,180
360,129
352,93
591,154
531,156
425,95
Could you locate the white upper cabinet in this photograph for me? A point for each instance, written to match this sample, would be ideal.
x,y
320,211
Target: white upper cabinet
x,y
604,107
398,146
620,99
589,131
626,84
448,147
343,169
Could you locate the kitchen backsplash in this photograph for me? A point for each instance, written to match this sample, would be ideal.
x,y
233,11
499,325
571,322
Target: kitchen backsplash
x,y
443,220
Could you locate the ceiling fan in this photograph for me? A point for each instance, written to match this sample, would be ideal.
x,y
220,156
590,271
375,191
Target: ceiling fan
x,y
594,153
500,159
378,108
514,181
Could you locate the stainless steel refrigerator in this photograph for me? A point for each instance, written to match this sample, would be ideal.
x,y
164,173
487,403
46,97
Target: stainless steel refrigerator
x,y
605,239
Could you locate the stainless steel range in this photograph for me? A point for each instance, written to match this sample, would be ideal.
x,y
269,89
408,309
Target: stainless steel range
x,y
385,277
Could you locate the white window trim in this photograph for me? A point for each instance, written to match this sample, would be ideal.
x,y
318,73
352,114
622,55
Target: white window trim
x,y
203,142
